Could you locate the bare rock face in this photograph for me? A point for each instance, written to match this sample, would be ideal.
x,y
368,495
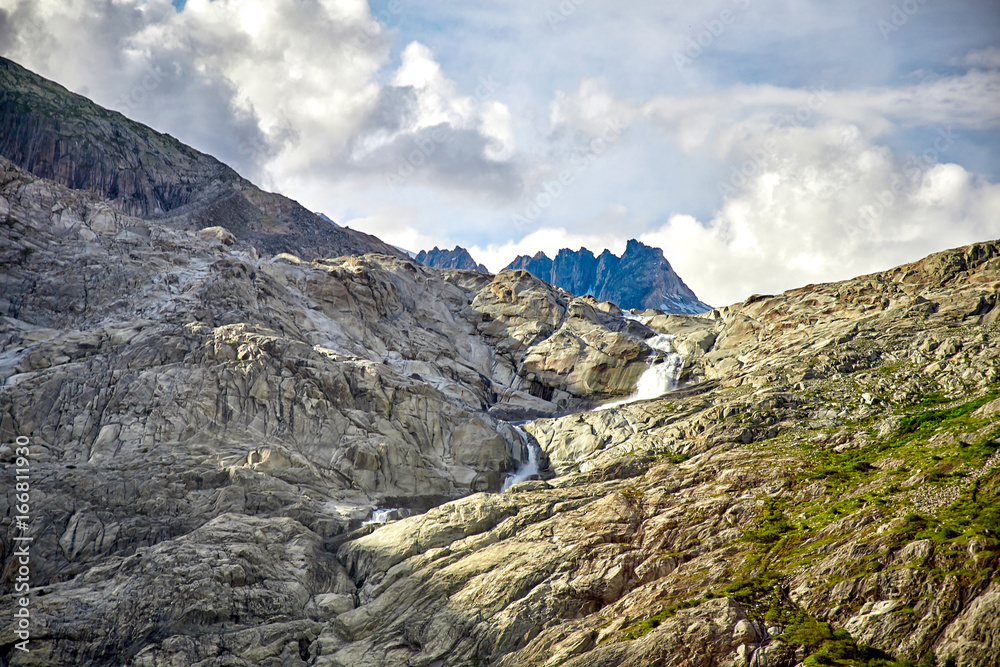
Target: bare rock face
x,y
974,635
235,568
641,278
459,258
173,384
564,344
211,426
755,517
54,134
210,429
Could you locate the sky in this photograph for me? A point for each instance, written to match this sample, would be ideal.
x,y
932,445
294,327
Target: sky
x,y
763,145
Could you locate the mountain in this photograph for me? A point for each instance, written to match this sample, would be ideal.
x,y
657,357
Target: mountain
x,y
55,134
459,258
641,278
323,216
237,459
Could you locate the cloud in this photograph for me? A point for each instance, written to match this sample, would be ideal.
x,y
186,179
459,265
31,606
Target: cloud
x,y
810,193
970,100
824,204
812,205
799,145
405,236
278,90
422,131
987,58
810,190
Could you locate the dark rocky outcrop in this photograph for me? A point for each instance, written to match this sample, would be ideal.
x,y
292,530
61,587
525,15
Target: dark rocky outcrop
x,y
58,135
641,278
459,258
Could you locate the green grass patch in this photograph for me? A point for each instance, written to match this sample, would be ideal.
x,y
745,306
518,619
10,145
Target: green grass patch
x,y
925,423
932,399
976,514
835,648
765,600
784,533
643,627
631,492
762,596
674,459
841,471
772,525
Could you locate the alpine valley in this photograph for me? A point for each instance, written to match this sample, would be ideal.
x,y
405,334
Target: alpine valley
x,y
257,438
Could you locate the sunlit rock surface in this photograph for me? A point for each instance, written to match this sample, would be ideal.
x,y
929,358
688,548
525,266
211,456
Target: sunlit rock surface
x,y
214,420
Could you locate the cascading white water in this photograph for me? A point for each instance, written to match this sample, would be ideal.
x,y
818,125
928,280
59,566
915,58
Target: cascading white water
x,y
527,469
382,516
662,375
641,319
660,378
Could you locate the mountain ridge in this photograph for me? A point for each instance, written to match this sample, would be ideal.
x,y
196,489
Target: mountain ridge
x,y
641,278
60,135
457,258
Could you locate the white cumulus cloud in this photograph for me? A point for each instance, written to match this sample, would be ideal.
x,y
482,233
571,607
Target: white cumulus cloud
x,y
816,209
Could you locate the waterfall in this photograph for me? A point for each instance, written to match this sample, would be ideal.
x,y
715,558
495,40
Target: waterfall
x,y
526,469
384,515
662,375
641,319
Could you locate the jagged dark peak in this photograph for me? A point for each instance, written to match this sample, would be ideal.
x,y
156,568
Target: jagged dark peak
x,y
641,278
635,248
458,258
59,135
582,252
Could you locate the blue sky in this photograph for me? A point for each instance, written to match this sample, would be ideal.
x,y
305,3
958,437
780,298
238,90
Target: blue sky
x,y
866,132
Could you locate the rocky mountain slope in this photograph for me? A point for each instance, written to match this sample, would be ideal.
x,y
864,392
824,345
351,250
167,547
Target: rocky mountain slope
x,y
824,492
208,431
58,135
210,427
169,380
459,258
641,278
